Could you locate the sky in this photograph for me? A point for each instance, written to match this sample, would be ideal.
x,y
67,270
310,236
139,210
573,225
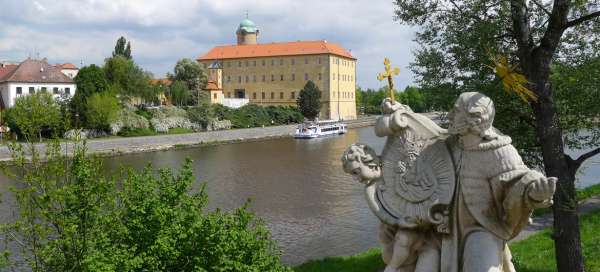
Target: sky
x,y
164,31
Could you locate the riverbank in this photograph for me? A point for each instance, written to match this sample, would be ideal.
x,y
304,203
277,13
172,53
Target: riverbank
x,y
128,145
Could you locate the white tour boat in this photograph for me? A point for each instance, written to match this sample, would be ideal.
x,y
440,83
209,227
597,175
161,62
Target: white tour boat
x,y
319,129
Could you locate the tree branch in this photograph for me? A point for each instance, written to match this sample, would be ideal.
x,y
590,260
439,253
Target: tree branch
x,y
521,28
541,7
583,19
587,155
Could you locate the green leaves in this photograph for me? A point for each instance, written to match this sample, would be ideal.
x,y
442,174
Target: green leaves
x,y
34,114
73,218
309,100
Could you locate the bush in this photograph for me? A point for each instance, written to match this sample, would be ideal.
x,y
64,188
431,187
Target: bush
x,y
34,115
73,219
201,115
128,120
102,109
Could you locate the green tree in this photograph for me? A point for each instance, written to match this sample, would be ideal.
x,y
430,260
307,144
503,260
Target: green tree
x,y
359,99
201,114
194,76
90,80
127,78
179,93
101,110
73,219
412,97
457,39
309,100
122,48
33,115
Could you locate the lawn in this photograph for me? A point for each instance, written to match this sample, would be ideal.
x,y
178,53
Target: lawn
x,y
534,254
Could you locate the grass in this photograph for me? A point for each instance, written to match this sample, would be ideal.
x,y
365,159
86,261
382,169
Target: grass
x,y
369,261
534,254
180,130
151,132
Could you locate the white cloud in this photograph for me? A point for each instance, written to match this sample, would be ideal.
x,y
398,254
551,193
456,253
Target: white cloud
x,y
163,31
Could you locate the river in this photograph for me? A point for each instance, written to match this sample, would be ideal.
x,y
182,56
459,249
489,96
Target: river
x,y
298,187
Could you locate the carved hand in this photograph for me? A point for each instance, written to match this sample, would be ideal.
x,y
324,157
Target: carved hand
x,y
542,190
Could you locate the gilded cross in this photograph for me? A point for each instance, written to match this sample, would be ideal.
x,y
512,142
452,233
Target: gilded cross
x,y
389,73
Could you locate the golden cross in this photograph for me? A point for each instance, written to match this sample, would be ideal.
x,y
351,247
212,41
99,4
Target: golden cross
x,y
389,72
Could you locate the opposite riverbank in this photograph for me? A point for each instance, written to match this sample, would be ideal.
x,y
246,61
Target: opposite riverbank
x,y
127,145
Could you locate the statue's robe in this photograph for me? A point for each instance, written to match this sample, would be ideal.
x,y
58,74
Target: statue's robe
x,y
490,196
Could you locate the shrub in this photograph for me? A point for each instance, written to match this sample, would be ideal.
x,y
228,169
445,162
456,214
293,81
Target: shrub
x,y
102,109
35,114
128,120
201,115
73,219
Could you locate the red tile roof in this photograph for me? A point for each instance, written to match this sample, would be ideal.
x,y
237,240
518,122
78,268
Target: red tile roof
x,y
161,81
7,69
68,66
275,49
211,85
38,71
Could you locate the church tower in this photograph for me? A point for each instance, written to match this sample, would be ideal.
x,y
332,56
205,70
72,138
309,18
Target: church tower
x,y
247,32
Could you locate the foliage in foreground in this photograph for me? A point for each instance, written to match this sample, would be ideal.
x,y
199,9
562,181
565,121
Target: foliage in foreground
x,y
34,115
73,219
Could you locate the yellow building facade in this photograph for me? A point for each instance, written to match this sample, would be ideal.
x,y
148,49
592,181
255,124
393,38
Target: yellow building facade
x,y
274,73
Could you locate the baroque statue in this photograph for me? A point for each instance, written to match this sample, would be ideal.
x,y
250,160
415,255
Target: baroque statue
x,y
449,200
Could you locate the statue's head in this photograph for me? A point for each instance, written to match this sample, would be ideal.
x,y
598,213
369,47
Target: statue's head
x,y
362,163
473,113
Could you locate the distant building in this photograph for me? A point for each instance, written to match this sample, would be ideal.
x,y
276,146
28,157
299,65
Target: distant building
x,y
68,69
32,76
274,73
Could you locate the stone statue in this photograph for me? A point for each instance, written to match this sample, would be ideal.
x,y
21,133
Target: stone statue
x,y
448,200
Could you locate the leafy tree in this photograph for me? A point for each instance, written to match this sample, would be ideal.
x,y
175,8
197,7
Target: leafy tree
x,y
73,219
201,114
458,38
194,76
102,109
34,114
412,97
122,48
126,77
179,93
309,100
359,98
90,80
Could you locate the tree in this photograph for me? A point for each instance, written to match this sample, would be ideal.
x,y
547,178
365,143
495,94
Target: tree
x,y
90,80
102,109
122,48
179,94
458,38
73,219
126,77
33,114
194,76
412,97
309,100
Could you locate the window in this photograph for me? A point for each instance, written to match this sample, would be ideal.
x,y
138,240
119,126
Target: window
x,y
253,95
305,76
204,64
254,78
246,63
44,89
293,76
280,61
333,76
239,64
281,95
31,90
263,78
272,62
55,90
253,63
262,95
293,61
263,62
272,95
228,94
19,90
228,78
272,77
293,95
229,64
281,77
68,90
247,78
305,60
319,60
239,79
320,76
215,95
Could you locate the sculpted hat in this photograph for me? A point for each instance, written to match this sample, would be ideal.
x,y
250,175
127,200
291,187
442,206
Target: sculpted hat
x,y
476,104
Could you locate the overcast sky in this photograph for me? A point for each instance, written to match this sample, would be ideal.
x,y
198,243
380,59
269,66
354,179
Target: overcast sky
x,y
163,31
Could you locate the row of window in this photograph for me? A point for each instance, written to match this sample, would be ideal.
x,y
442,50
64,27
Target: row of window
x,y
55,90
292,95
273,62
292,77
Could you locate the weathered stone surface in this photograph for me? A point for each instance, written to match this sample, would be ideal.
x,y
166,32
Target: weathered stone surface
x,y
448,200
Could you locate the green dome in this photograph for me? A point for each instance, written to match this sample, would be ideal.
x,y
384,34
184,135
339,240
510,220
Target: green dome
x,y
247,26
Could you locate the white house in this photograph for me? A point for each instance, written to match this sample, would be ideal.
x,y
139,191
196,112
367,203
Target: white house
x,y
32,76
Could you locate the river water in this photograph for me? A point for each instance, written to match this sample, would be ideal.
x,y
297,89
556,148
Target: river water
x,y
298,187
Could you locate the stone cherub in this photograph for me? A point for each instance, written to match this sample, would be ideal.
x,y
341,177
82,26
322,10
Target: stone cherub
x,y
467,193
